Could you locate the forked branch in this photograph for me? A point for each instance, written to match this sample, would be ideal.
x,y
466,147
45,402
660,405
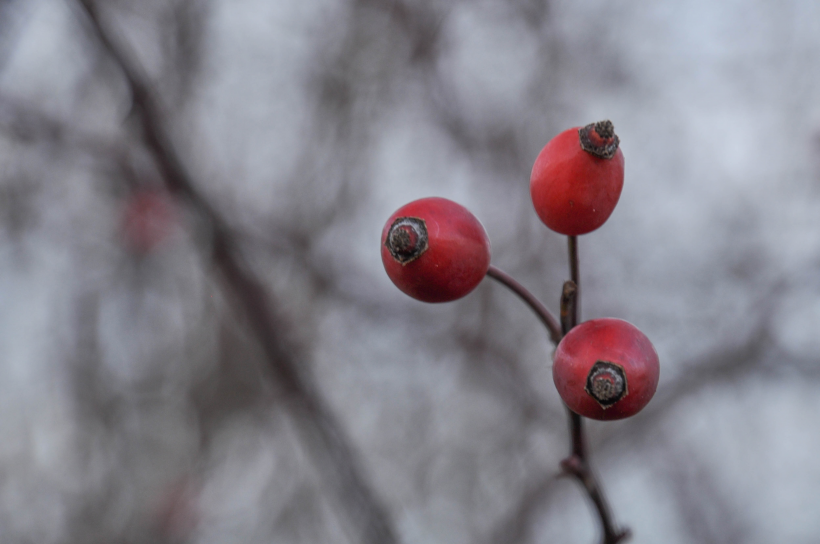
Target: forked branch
x,y
577,464
530,300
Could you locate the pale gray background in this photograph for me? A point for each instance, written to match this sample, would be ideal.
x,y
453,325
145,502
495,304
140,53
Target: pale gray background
x,y
128,389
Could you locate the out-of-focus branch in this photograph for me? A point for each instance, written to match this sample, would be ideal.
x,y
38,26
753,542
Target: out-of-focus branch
x,y
28,124
757,357
517,525
318,426
708,517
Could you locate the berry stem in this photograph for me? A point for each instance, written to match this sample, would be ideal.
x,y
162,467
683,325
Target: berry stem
x,y
577,464
575,277
530,300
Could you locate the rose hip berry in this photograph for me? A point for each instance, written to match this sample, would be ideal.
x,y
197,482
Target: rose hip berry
x,y
605,369
435,250
577,179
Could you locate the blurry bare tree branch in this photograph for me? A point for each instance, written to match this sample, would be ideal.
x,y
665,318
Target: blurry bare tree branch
x,y
299,398
334,457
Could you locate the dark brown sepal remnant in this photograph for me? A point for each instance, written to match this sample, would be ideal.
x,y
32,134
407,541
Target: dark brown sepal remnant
x,y
606,383
599,139
407,239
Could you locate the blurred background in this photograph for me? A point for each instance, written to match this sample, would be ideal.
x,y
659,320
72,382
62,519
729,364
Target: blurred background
x,y
136,404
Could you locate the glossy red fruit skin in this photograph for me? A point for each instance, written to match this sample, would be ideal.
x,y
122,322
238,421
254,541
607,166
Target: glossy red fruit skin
x,y
613,341
574,192
456,258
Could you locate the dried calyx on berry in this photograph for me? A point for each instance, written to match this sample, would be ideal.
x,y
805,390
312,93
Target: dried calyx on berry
x,y
435,250
605,369
599,139
407,239
606,383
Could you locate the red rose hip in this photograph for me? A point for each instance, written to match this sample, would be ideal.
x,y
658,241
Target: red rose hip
x,y
577,179
605,369
435,250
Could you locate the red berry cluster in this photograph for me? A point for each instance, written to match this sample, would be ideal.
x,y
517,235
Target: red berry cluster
x,y
435,250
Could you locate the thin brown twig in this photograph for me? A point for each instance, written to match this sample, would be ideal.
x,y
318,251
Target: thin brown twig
x,y
575,276
530,300
577,464
318,426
